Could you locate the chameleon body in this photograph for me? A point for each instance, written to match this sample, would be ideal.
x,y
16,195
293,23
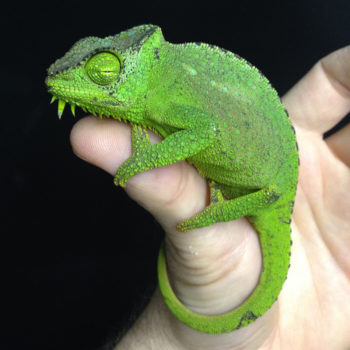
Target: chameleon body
x,y
211,108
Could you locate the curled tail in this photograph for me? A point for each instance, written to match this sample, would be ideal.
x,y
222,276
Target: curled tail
x,y
274,231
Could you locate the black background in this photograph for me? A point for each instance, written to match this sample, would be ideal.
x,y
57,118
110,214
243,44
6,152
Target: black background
x,y
78,256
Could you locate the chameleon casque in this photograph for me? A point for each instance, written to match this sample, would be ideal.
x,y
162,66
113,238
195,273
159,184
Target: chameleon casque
x,y
213,109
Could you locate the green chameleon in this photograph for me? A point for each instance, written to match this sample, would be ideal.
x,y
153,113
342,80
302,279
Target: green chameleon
x,y
211,108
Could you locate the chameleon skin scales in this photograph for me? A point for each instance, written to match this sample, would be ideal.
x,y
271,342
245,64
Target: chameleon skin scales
x,y
211,108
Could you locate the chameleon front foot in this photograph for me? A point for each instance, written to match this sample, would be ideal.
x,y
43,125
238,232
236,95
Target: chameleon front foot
x,y
127,170
121,178
140,144
119,181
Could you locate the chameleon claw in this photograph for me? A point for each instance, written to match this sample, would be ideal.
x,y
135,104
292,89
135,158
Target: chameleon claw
x,y
181,227
119,182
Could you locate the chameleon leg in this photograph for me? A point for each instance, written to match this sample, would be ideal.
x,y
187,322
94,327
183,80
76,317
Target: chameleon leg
x,y
227,210
139,139
174,148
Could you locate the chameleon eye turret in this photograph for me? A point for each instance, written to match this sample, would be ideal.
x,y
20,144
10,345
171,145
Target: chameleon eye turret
x,y
103,68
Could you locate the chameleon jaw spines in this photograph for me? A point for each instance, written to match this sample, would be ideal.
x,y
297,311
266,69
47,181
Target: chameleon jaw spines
x,y
61,106
62,103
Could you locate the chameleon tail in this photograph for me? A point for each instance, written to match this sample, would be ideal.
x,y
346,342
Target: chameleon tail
x,y
275,241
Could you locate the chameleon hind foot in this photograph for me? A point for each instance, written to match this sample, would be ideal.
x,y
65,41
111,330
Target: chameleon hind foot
x,y
222,210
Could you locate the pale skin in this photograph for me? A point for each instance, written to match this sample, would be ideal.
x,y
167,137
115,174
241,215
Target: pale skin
x,y
213,269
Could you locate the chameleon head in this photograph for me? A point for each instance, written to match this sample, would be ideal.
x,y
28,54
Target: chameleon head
x,y
88,85
98,74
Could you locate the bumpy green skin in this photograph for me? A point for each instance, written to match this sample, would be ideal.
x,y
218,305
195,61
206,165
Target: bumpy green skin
x,y
216,111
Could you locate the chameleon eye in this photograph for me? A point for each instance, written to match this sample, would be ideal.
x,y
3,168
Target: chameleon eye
x,y
103,68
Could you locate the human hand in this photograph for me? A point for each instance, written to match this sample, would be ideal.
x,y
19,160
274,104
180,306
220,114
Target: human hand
x,y
213,269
